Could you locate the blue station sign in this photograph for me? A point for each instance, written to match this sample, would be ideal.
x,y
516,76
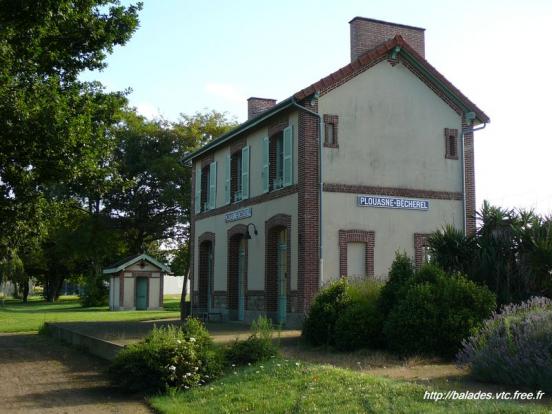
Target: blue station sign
x,y
238,214
392,202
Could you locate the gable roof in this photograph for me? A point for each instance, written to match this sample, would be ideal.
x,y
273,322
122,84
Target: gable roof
x,y
396,45
129,261
402,48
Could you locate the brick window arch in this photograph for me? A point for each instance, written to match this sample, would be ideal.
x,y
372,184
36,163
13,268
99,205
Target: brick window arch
x,y
356,236
421,252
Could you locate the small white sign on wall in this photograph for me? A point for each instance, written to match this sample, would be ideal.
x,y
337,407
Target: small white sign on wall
x,y
238,214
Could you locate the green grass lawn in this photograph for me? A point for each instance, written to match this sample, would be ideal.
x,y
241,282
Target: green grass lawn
x,y
281,386
16,316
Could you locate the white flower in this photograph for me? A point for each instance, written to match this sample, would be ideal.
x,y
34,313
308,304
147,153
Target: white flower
x,y
192,339
297,363
233,365
172,368
262,367
178,341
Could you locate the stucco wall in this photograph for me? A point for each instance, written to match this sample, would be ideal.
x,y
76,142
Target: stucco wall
x,y
256,246
394,229
153,294
391,132
114,293
129,291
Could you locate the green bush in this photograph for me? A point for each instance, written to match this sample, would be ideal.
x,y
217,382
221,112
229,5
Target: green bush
x,y
435,312
329,303
258,347
168,357
400,274
513,347
95,292
359,325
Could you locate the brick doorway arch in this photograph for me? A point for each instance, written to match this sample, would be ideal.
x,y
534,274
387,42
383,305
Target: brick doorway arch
x,y
277,292
206,270
237,271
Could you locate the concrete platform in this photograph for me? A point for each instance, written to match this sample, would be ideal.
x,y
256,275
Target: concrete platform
x,y
106,339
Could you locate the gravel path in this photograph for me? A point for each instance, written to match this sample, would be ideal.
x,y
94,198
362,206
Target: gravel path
x,y
40,375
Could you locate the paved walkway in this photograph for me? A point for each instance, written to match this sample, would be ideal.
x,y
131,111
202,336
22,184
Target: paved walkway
x,y
40,375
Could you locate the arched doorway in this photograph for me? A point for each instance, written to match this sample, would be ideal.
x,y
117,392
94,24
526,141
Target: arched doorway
x,y
282,274
206,272
237,272
277,272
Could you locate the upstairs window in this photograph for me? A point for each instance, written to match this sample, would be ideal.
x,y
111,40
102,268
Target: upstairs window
x,y
330,131
236,182
276,152
451,143
277,168
206,187
236,177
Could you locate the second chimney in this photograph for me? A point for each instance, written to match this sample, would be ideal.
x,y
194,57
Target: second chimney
x,y
255,106
367,33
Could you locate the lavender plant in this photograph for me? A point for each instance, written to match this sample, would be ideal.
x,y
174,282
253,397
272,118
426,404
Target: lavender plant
x,y
513,347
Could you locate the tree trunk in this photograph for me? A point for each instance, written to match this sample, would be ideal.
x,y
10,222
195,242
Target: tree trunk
x,y
25,290
185,306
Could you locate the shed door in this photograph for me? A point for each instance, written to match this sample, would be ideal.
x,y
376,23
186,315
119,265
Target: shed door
x,y
141,293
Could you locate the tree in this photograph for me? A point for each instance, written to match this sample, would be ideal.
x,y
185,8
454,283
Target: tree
x,y
51,124
511,253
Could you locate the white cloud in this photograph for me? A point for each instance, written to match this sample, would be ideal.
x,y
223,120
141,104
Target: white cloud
x,y
226,91
148,110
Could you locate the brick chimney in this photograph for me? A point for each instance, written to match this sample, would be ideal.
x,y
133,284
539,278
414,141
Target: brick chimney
x,y
367,33
255,106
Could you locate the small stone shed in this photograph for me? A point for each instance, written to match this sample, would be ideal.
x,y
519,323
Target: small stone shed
x,y
136,283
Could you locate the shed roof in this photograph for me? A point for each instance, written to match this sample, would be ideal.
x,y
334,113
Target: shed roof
x,y
129,261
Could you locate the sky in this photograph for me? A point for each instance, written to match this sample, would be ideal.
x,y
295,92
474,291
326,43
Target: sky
x,y
190,56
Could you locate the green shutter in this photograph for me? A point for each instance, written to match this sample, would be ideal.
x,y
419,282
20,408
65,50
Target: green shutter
x,y
245,172
197,200
212,185
227,175
288,156
264,172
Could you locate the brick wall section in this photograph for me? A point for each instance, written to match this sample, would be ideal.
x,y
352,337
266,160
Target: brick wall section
x,y
308,220
420,240
391,191
366,34
469,181
235,234
206,243
256,106
451,143
279,125
272,228
191,250
356,236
